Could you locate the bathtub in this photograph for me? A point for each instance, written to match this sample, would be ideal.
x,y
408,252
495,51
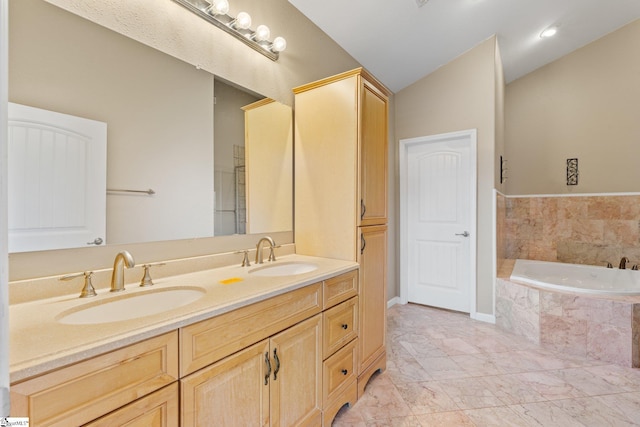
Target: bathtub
x,y
586,279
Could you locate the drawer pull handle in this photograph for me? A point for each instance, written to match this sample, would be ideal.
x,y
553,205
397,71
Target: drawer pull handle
x,y
345,326
344,372
277,359
268,363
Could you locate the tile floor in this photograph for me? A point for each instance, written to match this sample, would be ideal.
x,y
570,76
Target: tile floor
x,y
444,369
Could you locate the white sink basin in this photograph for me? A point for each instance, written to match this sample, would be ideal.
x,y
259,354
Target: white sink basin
x,y
284,269
131,306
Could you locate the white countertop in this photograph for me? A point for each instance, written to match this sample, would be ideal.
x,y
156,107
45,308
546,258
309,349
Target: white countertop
x,y
39,343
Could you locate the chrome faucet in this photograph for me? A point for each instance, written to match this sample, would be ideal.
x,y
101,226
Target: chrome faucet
x,y
623,262
272,244
123,259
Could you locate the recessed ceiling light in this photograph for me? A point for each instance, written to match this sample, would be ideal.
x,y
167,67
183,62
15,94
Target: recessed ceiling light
x,y
549,32
421,3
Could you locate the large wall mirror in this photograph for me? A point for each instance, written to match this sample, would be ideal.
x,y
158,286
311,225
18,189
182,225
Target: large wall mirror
x,y
171,128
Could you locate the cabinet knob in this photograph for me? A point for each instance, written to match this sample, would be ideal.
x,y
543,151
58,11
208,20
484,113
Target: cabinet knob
x,y
344,372
345,326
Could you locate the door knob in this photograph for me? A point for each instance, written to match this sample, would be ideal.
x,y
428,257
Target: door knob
x,y
465,234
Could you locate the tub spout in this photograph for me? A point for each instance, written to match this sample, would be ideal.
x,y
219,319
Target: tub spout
x,y
623,263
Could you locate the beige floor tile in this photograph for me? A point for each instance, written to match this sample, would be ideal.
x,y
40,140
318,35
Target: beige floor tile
x,y
445,369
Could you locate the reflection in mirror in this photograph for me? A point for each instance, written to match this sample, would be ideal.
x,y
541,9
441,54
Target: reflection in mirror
x,y
159,113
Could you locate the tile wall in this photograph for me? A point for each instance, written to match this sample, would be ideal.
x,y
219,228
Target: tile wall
x,y
572,229
599,328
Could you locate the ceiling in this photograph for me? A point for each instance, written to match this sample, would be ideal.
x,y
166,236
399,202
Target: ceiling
x,y
400,42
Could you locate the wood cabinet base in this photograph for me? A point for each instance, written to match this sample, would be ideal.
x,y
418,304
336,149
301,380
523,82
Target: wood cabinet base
x,y
379,365
349,396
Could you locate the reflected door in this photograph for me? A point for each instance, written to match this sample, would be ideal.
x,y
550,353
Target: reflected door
x,y
57,180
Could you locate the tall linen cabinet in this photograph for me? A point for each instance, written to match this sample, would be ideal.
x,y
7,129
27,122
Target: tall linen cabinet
x,y
341,192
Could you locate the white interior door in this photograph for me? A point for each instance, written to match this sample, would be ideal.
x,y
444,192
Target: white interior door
x,y
439,209
57,180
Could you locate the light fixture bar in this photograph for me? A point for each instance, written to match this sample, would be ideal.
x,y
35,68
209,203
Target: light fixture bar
x,y
223,22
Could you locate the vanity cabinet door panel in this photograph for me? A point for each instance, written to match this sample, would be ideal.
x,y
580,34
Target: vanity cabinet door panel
x,y
82,392
211,340
296,382
159,409
373,156
233,392
373,295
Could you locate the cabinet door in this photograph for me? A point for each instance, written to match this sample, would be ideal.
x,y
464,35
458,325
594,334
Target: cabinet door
x,y
373,290
233,392
373,156
159,409
296,381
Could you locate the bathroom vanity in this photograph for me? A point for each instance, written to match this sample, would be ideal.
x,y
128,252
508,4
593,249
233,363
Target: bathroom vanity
x,y
255,349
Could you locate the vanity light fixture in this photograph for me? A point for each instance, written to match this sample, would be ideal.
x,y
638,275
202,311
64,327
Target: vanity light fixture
x,y
217,13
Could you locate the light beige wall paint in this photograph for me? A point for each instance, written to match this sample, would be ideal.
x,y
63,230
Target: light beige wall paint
x,y
393,204
269,160
169,27
110,78
228,123
461,95
500,89
583,105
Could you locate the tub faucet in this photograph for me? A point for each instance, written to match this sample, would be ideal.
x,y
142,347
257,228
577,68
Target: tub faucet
x,y
623,263
123,259
272,244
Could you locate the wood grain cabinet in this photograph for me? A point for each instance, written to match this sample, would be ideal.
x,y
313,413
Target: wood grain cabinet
x,y
80,393
341,142
290,360
276,382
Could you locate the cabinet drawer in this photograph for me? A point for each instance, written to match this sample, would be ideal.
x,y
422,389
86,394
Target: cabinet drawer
x,y
339,371
340,325
89,389
211,340
340,288
159,409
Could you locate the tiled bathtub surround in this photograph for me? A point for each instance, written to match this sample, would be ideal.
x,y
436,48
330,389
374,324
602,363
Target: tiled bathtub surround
x,y
572,229
599,328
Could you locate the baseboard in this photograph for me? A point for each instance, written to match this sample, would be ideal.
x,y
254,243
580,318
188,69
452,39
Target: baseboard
x,y
393,301
488,318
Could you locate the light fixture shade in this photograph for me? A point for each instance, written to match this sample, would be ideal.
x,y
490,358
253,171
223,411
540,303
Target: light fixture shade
x,y
549,32
279,44
243,21
262,33
219,7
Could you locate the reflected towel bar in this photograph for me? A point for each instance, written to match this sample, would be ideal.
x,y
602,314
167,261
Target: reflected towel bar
x,y
150,192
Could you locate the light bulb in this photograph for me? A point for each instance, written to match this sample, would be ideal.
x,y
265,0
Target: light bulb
x,y
262,33
549,32
243,21
219,7
279,44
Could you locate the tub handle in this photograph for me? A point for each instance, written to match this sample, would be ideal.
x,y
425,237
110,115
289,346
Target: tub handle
x,y
609,265
465,234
